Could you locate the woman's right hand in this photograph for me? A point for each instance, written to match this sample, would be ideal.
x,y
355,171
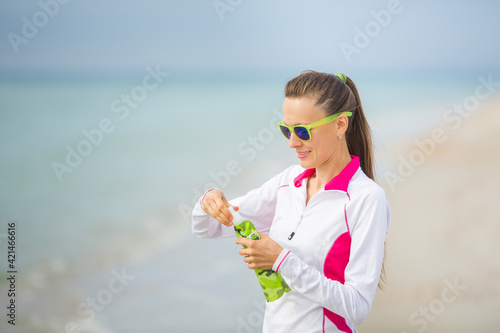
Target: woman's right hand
x,y
215,204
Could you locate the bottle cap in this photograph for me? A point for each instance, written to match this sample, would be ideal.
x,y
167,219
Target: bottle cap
x,y
237,219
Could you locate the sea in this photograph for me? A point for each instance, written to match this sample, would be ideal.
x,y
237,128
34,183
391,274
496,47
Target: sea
x,y
98,176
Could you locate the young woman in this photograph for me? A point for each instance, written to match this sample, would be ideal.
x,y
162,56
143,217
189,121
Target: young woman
x,y
327,219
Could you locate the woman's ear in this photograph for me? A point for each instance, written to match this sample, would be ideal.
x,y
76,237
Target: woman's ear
x,y
342,123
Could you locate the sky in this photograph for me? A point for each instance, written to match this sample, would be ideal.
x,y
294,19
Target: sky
x,y
230,36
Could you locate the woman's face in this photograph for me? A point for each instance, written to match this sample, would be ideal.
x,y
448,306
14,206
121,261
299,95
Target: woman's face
x,y
324,144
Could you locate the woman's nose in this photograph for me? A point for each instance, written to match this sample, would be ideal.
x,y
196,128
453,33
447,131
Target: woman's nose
x,y
294,141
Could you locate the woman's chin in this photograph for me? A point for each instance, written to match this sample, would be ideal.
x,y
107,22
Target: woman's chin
x,y
306,164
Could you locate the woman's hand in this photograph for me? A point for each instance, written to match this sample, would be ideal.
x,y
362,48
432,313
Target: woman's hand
x,y
215,204
260,254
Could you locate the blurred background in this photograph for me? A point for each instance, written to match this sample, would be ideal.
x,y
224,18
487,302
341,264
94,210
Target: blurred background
x,y
115,116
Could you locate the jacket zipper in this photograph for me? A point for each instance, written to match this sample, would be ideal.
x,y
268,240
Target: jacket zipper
x,y
294,230
300,220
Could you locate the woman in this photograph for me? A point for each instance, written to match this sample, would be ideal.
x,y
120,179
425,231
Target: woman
x,y
327,219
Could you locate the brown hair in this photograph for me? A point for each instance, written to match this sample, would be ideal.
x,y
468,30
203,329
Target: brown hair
x,y
333,96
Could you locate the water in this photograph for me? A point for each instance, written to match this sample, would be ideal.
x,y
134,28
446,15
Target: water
x,y
124,205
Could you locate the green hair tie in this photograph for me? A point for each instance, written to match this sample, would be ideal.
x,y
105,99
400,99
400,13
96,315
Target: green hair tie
x,y
342,77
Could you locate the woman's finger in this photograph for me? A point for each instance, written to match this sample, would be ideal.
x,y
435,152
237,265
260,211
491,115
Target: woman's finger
x,y
222,214
216,205
224,211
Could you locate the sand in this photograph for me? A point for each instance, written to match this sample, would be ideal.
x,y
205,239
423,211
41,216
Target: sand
x,y
443,247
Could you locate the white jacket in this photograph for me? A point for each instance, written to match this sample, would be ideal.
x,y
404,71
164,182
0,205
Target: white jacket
x,y
333,261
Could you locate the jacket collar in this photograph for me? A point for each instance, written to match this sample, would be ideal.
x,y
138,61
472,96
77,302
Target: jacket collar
x,y
339,182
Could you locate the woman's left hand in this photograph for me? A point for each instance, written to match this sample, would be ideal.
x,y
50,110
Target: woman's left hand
x,y
259,254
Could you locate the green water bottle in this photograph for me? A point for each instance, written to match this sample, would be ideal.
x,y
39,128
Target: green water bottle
x,y
272,283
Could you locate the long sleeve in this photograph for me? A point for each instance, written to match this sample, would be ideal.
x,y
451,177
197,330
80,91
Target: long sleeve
x,y
257,206
353,299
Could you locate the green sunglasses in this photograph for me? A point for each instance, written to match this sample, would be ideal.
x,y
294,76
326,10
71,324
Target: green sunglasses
x,y
303,132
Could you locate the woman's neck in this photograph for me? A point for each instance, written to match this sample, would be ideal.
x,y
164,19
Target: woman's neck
x,y
327,171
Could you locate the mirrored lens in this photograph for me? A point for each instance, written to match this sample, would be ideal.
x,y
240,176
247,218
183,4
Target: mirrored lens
x,y
285,131
302,133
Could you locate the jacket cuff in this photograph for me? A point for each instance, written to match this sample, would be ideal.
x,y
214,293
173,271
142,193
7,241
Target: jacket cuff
x,y
281,258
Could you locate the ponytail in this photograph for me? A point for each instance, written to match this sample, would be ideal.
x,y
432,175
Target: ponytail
x,y
358,135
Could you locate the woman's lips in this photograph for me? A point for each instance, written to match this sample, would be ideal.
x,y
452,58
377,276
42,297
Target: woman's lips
x,y
303,154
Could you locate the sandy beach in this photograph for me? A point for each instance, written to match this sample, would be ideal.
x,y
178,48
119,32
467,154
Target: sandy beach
x,y
443,271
